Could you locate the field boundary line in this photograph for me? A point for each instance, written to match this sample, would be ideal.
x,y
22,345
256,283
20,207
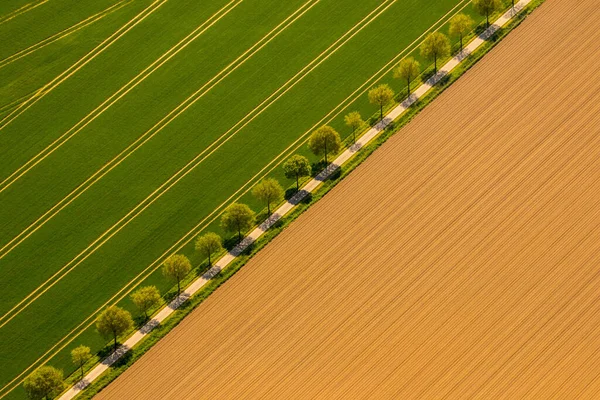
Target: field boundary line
x,y
190,235
21,10
286,23
118,95
184,171
311,186
105,169
62,34
96,51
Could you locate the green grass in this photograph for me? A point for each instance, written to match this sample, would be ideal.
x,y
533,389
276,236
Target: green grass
x,y
149,235
31,72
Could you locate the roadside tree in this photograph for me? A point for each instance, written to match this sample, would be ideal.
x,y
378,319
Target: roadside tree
x,y
324,141
114,321
434,47
486,8
407,70
296,167
381,96
80,355
237,218
460,25
354,121
145,298
268,191
208,244
44,383
175,268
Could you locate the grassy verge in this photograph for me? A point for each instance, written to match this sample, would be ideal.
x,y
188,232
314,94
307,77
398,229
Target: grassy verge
x,y
189,306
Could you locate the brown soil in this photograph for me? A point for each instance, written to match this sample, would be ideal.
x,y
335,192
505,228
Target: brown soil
x,y
461,260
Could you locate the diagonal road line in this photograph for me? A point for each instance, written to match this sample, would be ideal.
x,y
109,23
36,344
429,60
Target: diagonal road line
x,y
22,10
118,95
119,33
62,34
186,239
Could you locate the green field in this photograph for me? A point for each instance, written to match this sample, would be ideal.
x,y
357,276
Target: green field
x,y
295,64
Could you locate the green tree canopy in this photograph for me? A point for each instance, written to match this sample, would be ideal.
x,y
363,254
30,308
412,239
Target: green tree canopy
x,y
114,321
44,383
354,121
175,268
381,95
208,244
408,70
80,355
145,298
237,218
296,167
486,8
436,45
460,25
268,191
324,141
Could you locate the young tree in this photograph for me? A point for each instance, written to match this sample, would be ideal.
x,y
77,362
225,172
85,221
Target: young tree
x,y
44,383
324,141
114,321
381,95
80,355
435,46
486,8
407,70
145,298
296,167
208,244
460,25
354,121
268,191
237,218
175,268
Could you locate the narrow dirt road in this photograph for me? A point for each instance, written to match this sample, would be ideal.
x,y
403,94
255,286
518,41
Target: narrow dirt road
x,y
461,260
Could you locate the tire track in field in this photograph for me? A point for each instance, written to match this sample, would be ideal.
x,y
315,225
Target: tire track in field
x,y
96,51
186,239
118,95
21,10
191,165
62,34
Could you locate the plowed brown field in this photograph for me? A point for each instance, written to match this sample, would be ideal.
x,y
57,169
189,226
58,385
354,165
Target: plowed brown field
x,y
461,260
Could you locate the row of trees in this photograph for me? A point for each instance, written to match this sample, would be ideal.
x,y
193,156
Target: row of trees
x,y
47,381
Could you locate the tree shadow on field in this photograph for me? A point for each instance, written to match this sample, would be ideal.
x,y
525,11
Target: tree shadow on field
x,y
230,242
298,196
317,168
123,360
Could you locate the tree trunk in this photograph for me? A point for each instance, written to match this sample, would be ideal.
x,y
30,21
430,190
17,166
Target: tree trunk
x,y
408,85
297,183
209,263
435,64
178,287
115,341
325,153
81,371
239,235
487,20
381,112
461,42
354,135
268,209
